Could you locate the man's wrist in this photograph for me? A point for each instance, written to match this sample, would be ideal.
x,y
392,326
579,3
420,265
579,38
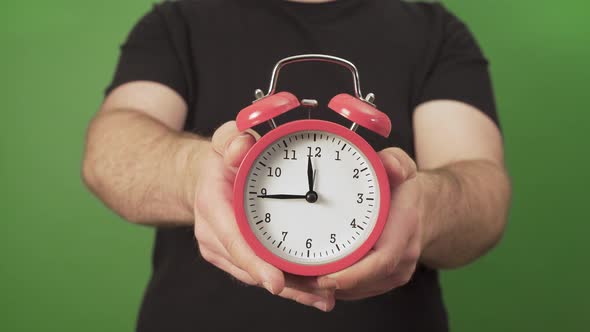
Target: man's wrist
x,y
431,189
190,160
423,181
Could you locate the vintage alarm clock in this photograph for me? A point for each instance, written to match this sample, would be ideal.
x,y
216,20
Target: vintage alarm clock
x,y
311,197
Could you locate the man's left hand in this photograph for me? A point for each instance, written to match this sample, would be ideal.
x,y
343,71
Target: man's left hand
x,y
392,261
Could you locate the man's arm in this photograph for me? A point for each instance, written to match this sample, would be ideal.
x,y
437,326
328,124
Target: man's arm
x,y
446,212
465,190
143,167
137,161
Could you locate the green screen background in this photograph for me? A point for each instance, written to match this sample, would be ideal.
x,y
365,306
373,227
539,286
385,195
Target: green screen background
x,y
69,264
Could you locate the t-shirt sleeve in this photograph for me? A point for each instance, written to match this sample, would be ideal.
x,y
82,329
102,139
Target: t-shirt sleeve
x,y
457,68
150,54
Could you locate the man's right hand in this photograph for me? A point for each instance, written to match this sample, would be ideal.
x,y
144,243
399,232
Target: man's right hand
x,y
219,239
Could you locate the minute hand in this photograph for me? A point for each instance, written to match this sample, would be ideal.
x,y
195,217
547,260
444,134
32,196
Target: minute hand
x,y
283,196
309,173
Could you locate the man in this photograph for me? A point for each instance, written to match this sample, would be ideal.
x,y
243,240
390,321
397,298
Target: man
x,y
154,156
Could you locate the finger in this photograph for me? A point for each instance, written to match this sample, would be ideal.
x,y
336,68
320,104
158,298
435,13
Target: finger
x,y
236,150
232,144
213,252
301,289
308,284
405,270
376,265
380,287
381,262
225,265
399,166
223,135
223,224
222,234
243,257
321,299
207,239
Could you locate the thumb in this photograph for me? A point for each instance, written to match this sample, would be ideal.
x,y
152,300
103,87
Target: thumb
x,y
237,148
232,144
399,166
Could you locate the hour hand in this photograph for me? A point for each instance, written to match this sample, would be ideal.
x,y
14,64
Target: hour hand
x,y
310,172
282,196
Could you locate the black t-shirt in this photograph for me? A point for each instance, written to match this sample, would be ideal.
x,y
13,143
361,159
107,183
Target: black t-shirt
x,y
215,53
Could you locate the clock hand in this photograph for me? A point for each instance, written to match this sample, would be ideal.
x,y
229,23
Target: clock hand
x,y
311,195
309,173
282,196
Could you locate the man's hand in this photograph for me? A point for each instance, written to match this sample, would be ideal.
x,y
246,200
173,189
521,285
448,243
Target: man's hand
x,y
219,239
446,215
393,260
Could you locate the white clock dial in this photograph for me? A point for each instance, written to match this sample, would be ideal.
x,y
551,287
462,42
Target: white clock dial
x,y
312,233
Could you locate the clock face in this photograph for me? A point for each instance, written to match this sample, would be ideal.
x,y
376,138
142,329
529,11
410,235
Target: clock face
x,y
317,225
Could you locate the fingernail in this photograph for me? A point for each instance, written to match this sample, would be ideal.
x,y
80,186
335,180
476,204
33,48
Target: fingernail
x,y
268,287
241,138
321,305
327,282
230,144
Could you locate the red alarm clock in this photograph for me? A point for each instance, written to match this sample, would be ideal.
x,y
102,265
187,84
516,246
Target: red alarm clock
x,y
312,197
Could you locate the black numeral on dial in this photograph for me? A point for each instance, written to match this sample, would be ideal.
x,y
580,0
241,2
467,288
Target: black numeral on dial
x,y
308,244
332,238
267,218
311,153
277,172
355,173
360,198
290,155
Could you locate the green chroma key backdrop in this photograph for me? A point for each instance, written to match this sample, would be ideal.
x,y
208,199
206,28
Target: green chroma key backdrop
x,y
69,264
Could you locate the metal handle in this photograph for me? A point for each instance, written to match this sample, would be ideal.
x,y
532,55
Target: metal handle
x,y
319,58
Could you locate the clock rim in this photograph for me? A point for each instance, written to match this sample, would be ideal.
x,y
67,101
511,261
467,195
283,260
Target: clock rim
x,y
239,197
